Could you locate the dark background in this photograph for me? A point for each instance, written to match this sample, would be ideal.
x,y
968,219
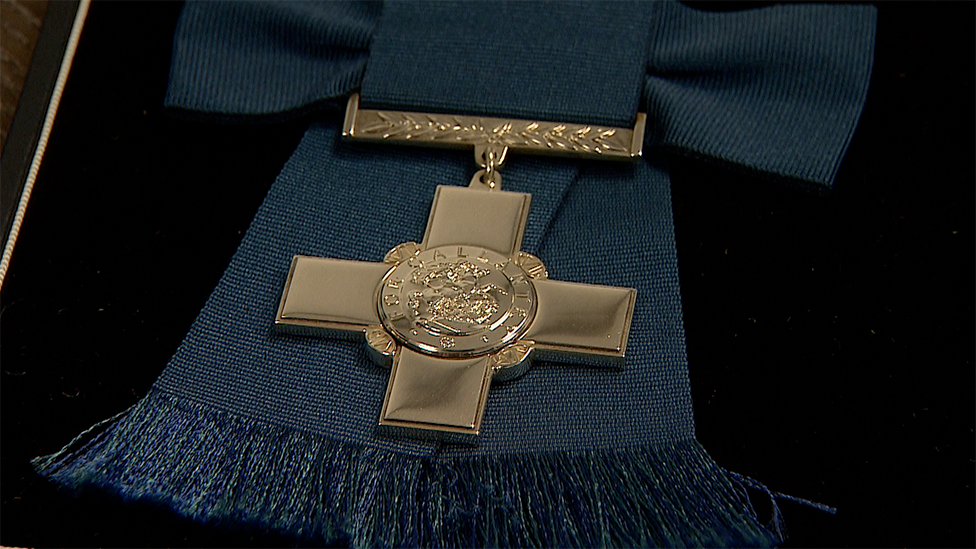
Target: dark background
x,y
831,338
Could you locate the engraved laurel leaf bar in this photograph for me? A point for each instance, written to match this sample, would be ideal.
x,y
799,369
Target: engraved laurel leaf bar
x,y
527,136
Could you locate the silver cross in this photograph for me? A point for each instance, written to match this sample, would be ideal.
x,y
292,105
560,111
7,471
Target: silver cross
x,y
457,311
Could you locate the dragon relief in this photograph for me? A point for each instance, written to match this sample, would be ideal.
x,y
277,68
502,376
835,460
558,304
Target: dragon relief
x,y
454,299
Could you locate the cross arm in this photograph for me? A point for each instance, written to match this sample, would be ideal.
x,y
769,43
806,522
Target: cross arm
x,y
427,393
330,296
581,323
491,219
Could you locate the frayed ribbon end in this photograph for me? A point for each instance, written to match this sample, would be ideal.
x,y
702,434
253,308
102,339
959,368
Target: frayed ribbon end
x,y
216,467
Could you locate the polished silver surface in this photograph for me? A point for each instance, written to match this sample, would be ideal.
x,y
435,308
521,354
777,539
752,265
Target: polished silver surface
x,y
494,220
456,301
511,362
486,181
445,395
581,323
380,345
533,266
329,295
490,155
527,136
401,252
460,310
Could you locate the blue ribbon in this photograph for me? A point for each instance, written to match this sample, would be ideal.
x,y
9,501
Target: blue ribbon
x,y
776,90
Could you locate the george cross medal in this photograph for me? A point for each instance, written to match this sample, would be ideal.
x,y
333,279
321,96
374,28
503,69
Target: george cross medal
x,y
464,307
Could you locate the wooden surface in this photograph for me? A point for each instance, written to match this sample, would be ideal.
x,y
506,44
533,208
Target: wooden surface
x,y
20,25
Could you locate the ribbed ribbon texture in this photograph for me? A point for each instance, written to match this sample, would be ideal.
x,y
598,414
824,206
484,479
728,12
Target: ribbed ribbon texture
x,y
278,431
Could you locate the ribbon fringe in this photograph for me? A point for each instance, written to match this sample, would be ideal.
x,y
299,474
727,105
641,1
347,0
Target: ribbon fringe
x,y
216,467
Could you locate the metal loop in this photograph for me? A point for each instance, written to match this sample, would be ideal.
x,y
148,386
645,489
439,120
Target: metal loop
x,y
489,181
490,156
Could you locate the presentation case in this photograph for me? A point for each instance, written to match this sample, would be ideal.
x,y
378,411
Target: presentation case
x,y
830,335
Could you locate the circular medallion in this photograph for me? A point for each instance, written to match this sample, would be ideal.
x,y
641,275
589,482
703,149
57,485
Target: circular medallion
x,y
456,301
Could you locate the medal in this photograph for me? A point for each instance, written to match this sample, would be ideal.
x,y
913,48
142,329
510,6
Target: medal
x,y
464,307
281,433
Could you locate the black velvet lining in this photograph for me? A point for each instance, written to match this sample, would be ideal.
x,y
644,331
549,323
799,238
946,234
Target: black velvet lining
x,y
831,338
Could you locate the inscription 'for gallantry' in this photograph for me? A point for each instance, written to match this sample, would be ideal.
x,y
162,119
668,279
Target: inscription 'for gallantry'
x,y
457,301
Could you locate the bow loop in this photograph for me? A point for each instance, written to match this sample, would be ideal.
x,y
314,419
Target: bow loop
x,y
261,58
777,90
